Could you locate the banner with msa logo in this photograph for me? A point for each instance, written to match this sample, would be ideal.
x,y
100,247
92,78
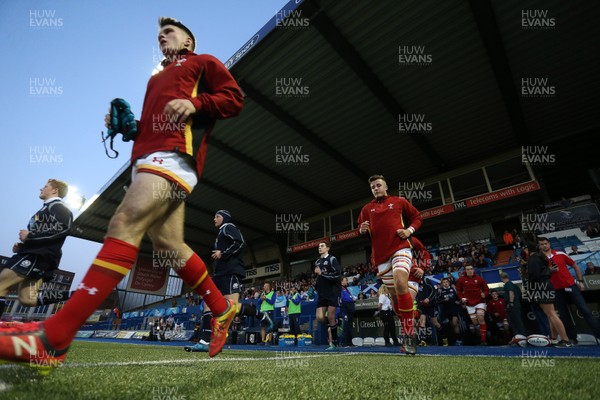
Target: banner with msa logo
x,y
267,270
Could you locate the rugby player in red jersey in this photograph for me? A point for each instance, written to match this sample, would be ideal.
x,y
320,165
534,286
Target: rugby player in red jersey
x,y
181,106
472,289
391,222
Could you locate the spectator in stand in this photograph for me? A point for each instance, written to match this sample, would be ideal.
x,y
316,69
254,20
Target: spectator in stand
x,y
473,290
591,269
575,251
384,310
517,248
522,258
512,300
361,296
117,319
347,313
496,309
449,307
593,231
170,322
483,262
508,238
372,294
567,289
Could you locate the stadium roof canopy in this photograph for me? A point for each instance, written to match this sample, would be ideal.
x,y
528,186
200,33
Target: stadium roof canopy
x,y
349,65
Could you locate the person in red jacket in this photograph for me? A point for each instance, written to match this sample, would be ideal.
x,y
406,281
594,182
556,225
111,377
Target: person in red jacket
x,y
473,290
496,309
391,221
568,290
181,105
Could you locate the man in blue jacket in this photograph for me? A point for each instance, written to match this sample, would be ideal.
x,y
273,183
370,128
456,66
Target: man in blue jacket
x,y
347,313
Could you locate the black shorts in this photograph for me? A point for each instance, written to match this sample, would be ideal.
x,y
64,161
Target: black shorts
x,y
31,266
449,312
330,301
431,312
329,293
228,284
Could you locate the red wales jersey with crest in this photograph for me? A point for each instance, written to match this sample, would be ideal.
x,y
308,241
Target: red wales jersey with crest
x,y
471,289
203,80
385,217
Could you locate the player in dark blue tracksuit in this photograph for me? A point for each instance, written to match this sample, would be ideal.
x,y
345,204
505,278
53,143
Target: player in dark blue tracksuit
x,y
39,251
228,272
449,308
328,287
427,306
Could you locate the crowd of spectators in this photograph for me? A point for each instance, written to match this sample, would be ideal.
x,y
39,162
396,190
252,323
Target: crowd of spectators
x,y
593,230
454,259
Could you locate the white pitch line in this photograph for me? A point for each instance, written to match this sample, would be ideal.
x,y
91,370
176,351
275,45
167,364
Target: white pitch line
x,y
197,360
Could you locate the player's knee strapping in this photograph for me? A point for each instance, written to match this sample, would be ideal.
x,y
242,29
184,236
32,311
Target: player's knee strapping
x,y
402,260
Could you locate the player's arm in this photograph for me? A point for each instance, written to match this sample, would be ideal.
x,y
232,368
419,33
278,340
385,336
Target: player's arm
x,y
296,299
237,244
460,290
570,262
363,222
485,290
223,97
413,216
273,299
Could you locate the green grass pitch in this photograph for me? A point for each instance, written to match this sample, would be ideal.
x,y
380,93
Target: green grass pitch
x,y
122,371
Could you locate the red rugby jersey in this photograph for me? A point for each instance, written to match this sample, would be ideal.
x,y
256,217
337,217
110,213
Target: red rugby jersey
x,y
203,80
385,217
421,259
561,278
497,306
471,289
